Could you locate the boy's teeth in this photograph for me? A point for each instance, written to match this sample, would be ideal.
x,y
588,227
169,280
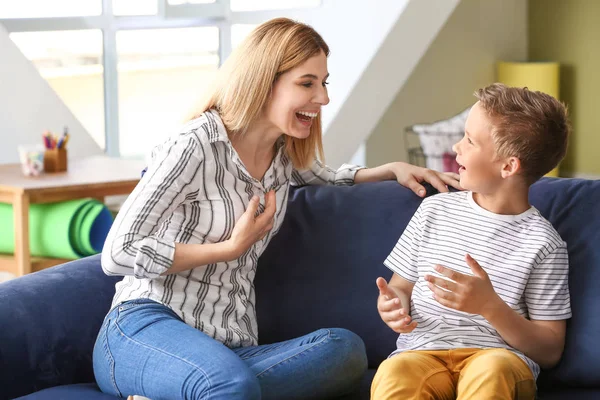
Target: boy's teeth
x,y
307,114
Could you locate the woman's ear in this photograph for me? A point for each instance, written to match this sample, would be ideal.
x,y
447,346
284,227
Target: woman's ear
x,y
511,166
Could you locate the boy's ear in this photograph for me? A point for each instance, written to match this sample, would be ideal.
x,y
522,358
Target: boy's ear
x,y
511,167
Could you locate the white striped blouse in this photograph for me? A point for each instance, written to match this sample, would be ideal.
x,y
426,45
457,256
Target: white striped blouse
x,y
524,256
195,189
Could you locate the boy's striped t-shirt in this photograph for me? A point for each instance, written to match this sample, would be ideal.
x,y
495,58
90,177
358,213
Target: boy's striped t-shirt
x,y
524,256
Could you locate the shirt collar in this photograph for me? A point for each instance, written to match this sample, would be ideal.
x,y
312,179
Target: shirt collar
x,y
220,134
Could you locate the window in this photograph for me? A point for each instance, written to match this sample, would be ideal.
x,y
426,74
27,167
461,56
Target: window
x,y
49,8
133,71
239,33
179,2
256,5
135,7
162,72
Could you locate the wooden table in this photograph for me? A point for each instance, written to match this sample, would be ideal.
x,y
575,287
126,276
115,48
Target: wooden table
x,y
95,177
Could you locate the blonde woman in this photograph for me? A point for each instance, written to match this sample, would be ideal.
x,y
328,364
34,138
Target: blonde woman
x,y
187,240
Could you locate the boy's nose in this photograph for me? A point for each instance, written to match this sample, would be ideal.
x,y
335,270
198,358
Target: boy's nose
x,y
455,148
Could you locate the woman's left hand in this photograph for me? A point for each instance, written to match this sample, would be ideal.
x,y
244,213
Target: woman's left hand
x,y
410,176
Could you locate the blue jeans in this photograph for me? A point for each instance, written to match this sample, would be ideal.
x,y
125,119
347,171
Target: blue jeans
x,y
144,348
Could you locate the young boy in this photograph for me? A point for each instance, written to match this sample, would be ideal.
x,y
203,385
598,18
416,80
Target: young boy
x,y
482,273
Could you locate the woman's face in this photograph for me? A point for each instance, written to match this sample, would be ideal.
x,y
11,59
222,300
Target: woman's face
x,y
298,96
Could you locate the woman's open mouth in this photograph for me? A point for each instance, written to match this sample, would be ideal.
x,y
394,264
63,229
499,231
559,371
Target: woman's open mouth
x,y
306,117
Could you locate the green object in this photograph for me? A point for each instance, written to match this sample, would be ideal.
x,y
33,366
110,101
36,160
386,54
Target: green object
x,y
69,229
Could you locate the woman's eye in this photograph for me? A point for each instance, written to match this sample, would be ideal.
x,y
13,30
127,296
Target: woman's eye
x,y
325,84
308,84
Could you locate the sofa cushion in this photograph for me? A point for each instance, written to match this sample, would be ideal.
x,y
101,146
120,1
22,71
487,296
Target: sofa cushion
x,y
573,207
81,391
54,317
570,394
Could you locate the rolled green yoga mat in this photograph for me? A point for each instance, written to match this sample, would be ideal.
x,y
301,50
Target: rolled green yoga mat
x,y
69,229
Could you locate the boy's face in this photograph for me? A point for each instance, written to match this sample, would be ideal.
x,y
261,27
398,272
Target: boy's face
x,y
480,171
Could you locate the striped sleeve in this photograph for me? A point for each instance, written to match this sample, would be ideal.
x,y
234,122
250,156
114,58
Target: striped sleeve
x,y
547,292
320,174
404,256
132,246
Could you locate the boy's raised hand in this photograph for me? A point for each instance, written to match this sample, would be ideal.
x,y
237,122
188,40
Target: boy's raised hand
x,y
473,294
391,310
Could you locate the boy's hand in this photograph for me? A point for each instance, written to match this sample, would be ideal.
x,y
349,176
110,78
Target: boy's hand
x,y
470,294
391,310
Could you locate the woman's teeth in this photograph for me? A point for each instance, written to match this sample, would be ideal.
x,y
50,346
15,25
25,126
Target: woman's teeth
x,y
307,114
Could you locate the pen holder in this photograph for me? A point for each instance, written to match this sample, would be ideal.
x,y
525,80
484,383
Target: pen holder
x,y
55,160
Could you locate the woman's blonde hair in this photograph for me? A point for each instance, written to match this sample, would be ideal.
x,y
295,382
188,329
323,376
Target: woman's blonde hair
x,y
244,82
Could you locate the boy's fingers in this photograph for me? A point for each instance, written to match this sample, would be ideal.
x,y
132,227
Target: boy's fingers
x,y
398,326
390,316
396,316
402,327
411,327
381,284
389,305
384,289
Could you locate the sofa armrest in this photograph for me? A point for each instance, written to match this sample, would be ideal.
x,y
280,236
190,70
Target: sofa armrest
x,y
49,322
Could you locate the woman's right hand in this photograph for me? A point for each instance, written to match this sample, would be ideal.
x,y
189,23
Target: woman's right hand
x,y
251,228
391,311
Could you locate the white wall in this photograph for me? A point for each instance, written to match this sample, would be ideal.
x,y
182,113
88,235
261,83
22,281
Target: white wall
x,y
461,59
374,50
28,107
354,31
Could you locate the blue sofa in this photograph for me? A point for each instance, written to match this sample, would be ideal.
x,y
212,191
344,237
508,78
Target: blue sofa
x,y
319,271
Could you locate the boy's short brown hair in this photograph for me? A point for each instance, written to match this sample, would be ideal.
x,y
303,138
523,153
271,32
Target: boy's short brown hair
x,y
530,125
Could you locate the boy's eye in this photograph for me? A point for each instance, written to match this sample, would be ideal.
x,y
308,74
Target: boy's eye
x,y
469,140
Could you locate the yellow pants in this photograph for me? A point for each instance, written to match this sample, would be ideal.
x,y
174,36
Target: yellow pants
x,y
486,374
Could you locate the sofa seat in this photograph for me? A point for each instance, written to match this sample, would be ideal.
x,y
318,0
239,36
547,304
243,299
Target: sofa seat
x,y
319,271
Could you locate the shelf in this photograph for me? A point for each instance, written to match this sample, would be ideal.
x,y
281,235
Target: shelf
x,y
8,263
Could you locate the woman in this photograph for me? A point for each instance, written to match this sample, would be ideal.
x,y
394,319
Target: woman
x,y
187,240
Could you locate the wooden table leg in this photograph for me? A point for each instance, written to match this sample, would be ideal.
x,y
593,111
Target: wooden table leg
x,y
21,220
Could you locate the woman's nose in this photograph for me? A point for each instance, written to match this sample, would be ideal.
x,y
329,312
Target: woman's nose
x,y
322,96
